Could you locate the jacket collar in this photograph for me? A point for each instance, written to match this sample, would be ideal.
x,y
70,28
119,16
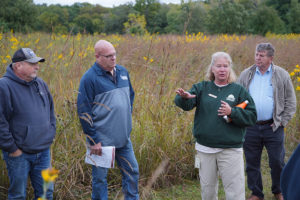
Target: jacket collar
x,y
253,68
99,70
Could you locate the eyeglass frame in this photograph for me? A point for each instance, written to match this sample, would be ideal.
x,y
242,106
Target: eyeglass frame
x,y
109,56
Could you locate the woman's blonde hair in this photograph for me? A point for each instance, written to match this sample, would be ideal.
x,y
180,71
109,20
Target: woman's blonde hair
x,y
209,74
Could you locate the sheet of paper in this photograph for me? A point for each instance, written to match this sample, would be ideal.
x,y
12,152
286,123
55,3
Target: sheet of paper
x,y
107,159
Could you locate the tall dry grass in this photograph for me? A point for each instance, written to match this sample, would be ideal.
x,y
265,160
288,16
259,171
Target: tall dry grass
x,y
158,65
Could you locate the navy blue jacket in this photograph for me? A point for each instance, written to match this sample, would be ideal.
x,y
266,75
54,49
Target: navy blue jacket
x,y
27,119
104,106
290,177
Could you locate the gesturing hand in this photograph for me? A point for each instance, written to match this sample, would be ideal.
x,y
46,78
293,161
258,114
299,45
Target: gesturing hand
x,y
184,94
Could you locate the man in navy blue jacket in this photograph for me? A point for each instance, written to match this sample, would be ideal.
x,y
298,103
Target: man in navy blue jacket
x,y
27,124
290,177
104,103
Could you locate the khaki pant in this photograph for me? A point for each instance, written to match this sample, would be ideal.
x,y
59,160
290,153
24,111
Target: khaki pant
x,y
229,164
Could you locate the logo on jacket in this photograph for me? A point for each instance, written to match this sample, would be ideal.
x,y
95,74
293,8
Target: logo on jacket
x,y
124,77
230,98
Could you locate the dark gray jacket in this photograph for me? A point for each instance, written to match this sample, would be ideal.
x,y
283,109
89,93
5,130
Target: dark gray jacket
x,y
283,93
27,119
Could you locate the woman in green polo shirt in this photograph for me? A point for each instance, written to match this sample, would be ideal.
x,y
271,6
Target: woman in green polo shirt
x,y
219,142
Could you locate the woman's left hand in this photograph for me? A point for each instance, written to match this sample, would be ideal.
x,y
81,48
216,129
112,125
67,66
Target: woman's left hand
x,y
224,109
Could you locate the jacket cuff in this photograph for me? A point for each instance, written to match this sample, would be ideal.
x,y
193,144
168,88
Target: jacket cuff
x,y
233,112
12,149
284,123
93,139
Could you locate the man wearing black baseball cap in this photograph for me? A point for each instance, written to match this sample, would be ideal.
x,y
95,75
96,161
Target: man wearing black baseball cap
x,y
26,54
27,124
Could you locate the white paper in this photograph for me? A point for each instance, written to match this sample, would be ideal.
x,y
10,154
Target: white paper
x,y
106,160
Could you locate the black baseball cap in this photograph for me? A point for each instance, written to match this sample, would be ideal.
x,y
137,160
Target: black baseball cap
x,y
26,54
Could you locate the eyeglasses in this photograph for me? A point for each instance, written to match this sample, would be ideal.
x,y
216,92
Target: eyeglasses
x,y
109,56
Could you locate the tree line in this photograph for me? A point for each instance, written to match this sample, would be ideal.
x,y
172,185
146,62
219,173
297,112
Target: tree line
x,y
208,16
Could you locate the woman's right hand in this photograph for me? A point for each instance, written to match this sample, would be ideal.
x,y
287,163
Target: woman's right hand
x,y
184,94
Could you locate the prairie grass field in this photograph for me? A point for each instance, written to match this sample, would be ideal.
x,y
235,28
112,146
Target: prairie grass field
x,y
162,133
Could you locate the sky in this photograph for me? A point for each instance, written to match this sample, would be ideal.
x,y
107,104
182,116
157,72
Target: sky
x,y
104,3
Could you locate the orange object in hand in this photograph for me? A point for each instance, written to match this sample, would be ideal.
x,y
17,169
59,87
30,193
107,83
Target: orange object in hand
x,y
241,105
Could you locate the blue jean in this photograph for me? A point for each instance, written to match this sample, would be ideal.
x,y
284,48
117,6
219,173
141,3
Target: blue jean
x,y
19,168
130,175
258,137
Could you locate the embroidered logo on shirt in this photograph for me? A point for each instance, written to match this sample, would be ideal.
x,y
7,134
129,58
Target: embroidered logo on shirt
x,y
124,77
211,95
230,98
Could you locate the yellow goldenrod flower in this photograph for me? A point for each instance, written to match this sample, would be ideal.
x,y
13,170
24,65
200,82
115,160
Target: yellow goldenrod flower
x,y
81,54
27,44
145,58
78,36
13,39
151,60
50,45
298,79
37,41
60,56
49,175
298,88
297,66
296,70
292,74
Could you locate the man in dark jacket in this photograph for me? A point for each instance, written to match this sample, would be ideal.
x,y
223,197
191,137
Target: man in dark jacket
x,y
27,124
290,177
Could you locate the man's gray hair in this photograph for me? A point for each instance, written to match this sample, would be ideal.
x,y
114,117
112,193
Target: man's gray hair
x,y
268,47
209,74
13,65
